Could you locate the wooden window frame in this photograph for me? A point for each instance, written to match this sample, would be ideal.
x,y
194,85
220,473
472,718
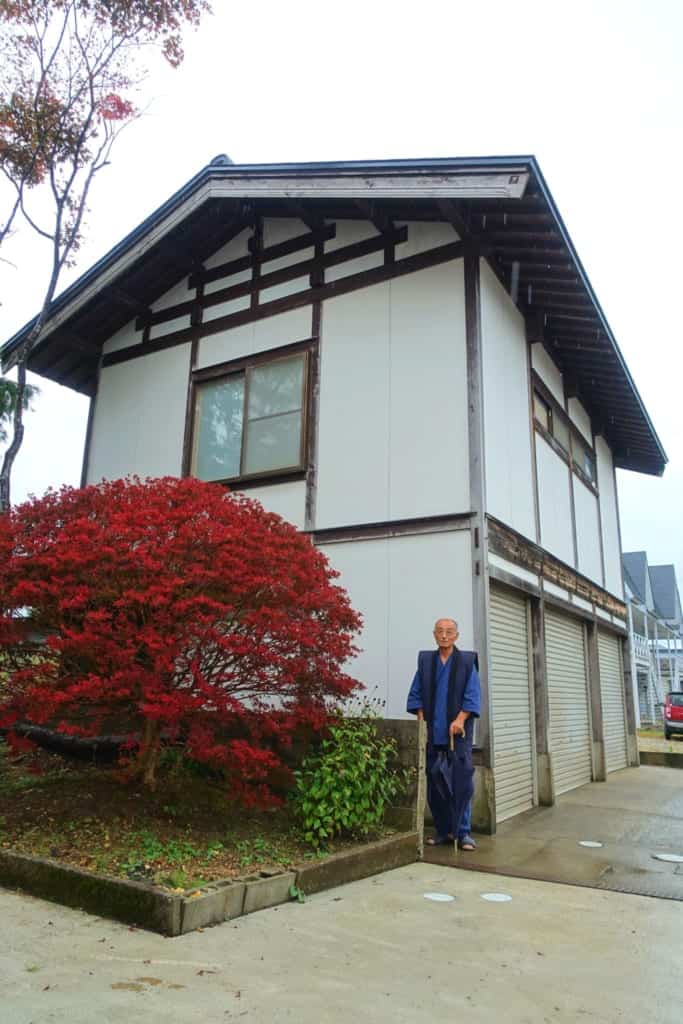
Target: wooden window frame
x,y
243,365
556,411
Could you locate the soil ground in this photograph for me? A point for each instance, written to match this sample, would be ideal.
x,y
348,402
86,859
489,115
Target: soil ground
x,y
182,835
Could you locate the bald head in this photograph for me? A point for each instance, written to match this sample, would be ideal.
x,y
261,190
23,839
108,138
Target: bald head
x,y
446,635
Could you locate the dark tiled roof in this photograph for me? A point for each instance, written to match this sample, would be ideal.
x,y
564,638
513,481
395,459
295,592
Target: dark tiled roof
x,y
635,567
665,590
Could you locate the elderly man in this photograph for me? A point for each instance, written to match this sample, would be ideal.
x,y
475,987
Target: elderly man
x,y
446,693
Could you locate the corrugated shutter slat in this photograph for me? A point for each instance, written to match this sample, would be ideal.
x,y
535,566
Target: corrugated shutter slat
x,y
513,746
570,740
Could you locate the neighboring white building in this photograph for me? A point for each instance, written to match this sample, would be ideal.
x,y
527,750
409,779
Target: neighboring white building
x,y
656,623
407,361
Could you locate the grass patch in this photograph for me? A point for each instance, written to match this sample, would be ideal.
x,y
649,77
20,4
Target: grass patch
x,y
181,836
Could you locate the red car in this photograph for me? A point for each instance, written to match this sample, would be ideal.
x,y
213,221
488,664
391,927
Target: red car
x,y
673,714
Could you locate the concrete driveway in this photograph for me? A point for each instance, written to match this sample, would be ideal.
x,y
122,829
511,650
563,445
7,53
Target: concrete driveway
x,y
637,813
369,952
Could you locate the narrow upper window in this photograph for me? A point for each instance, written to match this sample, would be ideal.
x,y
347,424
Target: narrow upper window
x,y
542,412
584,458
252,421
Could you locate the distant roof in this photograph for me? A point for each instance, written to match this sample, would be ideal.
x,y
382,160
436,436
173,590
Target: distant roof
x,y
635,567
665,591
502,202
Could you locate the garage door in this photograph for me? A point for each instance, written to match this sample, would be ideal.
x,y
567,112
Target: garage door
x,y
570,741
612,690
510,700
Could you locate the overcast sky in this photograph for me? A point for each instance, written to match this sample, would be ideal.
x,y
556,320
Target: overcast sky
x,y
593,89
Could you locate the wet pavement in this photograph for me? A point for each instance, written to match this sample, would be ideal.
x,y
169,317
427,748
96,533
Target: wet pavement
x,y
637,813
371,952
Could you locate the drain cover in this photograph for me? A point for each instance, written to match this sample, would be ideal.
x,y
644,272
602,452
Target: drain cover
x,y
439,897
670,858
496,897
591,843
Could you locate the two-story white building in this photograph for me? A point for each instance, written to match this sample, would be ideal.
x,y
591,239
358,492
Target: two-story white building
x,y
407,361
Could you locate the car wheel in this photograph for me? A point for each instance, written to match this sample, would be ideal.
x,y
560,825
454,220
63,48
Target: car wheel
x,y
667,734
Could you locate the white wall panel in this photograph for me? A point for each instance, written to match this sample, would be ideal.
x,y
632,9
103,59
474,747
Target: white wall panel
x,y
507,431
580,419
353,439
232,251
237,305
609,517
547,371
428,447
393,401
424,236
258,336
348,232
123,338
139,417
179,293
287,500
276,230
587,531
401,586
554,502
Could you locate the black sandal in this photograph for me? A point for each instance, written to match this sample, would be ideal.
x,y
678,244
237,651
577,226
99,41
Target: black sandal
x,y
440,840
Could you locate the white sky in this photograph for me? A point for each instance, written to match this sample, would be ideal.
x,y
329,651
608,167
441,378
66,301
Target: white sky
x,y
593,89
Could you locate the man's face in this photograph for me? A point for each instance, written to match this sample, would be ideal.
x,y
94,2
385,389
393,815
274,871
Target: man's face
x,y
445,633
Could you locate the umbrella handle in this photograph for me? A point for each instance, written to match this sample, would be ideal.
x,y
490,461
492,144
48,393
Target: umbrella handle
x,y
452,742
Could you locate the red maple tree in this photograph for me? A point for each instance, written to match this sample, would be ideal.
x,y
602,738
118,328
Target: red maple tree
x,y
188,613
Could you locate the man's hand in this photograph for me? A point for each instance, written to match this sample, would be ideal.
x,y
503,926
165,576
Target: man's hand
x,y
457,726
420,715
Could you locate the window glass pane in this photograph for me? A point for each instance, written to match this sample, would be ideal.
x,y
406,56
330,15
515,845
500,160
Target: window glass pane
x,y
276,387
218,429
541,411
273,443
561,432
589,465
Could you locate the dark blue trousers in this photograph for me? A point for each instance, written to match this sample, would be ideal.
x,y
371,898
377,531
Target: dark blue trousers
x,y
450,810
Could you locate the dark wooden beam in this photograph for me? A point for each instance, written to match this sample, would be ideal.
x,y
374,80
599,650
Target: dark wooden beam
x,y
408,265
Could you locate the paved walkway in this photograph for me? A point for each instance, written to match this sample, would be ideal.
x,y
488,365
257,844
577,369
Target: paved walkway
x,y
638,812
371,952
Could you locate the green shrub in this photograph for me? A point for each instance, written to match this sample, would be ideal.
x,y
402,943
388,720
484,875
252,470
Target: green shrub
x,y
344,786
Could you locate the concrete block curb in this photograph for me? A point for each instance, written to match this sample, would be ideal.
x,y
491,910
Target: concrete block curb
x,y
351,865
268,892
661,758
176,914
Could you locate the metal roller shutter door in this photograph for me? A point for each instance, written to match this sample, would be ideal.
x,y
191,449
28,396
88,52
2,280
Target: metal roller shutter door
x,y
510,696
612,691
570,740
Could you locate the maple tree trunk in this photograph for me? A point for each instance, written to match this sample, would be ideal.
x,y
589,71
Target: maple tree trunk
x,y
149,754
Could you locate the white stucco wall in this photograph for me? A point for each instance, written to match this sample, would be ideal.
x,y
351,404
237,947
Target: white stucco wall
x,y
258,336
124,338
393,401
139,418
287,500
580,419
587,531
554,502
608,515
178,293
547,371
401,586
348,232
507,427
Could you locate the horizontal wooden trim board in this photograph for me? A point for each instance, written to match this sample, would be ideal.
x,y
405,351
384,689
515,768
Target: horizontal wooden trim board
x,y
393,528
302,269
409,265
271,252
509,544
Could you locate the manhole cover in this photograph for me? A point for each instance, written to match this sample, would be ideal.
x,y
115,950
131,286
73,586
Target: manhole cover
x,y
670,858
496,897
590,843
439,897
